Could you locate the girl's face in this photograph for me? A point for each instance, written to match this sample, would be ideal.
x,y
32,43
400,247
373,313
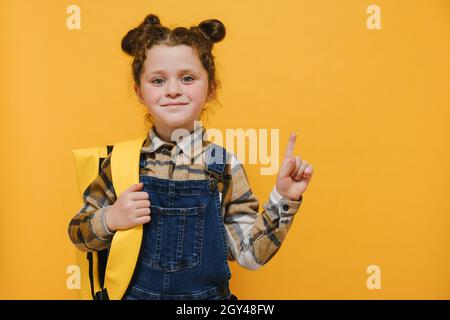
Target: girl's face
x,y
174,87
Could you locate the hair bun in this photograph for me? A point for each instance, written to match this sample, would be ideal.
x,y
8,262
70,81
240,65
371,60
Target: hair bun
x,y
129,42
213,29
151,19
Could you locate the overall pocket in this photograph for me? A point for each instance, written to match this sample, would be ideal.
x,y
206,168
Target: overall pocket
x,y
174,238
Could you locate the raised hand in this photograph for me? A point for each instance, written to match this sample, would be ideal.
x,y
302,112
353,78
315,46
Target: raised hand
x,y
294,174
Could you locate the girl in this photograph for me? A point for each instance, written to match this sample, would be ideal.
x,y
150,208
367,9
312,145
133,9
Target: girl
x,y
197,213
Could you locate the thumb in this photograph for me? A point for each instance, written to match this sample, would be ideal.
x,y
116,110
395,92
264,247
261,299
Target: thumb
x,y
287,167
135,187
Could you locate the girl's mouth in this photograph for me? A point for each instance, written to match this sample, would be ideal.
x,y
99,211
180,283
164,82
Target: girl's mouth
x,y
175,104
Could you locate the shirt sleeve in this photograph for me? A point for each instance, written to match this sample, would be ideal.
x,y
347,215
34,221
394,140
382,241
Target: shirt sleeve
x,y
87,229
253,237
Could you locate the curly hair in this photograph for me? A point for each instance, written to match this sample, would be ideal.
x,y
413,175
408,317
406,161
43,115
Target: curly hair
x,y
150,32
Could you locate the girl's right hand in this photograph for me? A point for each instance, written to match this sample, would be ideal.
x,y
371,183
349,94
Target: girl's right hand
x,y
132,208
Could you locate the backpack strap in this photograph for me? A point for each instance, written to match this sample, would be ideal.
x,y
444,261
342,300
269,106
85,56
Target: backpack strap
x,y
126,244
99,258
87,164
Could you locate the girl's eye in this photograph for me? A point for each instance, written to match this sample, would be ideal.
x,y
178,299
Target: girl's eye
x,y
159,79
189,77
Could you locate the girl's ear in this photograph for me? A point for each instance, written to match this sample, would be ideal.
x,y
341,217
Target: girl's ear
x,y
211,93
137,89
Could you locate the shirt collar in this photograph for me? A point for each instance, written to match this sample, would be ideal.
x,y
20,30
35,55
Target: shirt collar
x,y
191,144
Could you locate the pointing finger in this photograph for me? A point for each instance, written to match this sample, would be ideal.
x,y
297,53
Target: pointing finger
x,y
290,146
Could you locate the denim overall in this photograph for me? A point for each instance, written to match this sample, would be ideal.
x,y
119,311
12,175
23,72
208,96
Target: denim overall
x,y
184,249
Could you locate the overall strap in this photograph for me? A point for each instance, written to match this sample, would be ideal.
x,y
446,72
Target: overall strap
x,y
215,161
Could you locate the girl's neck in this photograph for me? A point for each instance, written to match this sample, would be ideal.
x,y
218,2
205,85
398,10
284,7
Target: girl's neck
x,y
165,132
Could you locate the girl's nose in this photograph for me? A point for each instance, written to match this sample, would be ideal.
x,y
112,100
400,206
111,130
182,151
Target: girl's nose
x,y
173,88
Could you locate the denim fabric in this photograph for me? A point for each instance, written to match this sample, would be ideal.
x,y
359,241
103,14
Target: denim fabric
x,y
184,249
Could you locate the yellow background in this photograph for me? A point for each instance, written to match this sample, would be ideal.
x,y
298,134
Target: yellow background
x,y
370,107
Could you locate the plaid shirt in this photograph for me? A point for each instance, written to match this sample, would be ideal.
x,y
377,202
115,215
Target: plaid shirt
x,y
253,237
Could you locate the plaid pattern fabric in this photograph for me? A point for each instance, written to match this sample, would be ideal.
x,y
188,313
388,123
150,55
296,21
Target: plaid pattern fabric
x,y
253,237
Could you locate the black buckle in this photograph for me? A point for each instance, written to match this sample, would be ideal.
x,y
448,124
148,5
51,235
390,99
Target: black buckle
x,y
102,295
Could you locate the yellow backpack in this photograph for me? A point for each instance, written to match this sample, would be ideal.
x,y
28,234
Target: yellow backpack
x,y
110,271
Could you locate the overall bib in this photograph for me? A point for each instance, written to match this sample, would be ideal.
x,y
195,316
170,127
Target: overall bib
x,y
184,249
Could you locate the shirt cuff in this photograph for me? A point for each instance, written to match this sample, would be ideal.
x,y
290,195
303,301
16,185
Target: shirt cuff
x,y
99,224
285,206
